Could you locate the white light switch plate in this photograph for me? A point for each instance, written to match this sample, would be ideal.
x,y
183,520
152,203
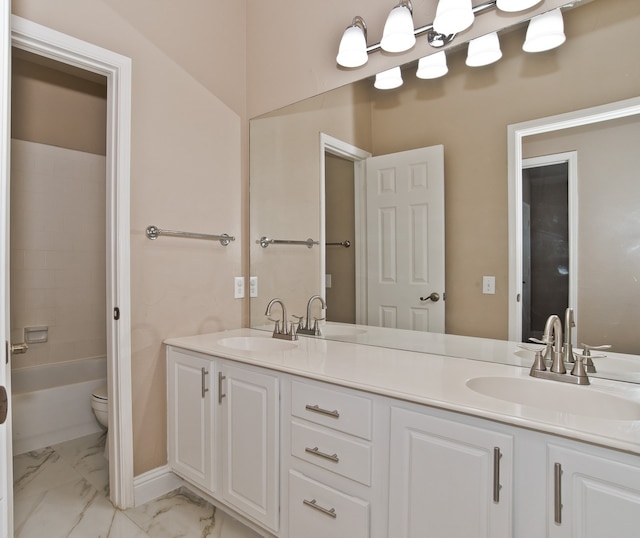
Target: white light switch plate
x,y
238,287
489,285
253,286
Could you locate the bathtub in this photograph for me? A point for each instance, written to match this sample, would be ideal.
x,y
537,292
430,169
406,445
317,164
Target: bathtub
x,y
52,403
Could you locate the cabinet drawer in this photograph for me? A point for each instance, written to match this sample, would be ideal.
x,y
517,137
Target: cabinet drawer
x,y
332,408
332,451
318,511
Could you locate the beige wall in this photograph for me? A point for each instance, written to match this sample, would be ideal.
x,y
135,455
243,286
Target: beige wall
x,y
57,108
188,113
608,255
58,270
292,46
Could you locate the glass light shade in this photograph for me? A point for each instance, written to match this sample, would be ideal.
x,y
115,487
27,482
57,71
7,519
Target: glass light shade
x,y
453,16
398,35
545,32
352,51
389,79
512,6
484,50
432,66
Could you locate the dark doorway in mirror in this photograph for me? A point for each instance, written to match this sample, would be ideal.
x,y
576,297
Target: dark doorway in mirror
x,y
545,251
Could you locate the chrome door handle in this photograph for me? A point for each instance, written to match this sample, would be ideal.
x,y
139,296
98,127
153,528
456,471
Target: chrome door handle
x,y
557,493
434,297
17,349
4,404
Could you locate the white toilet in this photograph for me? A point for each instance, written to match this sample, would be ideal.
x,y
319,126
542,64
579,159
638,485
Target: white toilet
x,y
100,406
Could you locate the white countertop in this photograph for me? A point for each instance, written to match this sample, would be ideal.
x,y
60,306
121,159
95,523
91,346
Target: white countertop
x,y
429,379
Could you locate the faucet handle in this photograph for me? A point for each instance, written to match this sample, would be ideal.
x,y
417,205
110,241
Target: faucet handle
x,y
580,371
528,348
587,348
276,329
538,341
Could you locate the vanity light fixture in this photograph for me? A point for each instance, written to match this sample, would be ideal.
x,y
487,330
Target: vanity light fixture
x,y
398,34
484,50
352,51
453,16
545,32
512,6
432,66
389,79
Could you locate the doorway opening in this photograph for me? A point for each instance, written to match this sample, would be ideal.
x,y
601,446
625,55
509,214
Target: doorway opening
x,y
58,250
74,54
545,245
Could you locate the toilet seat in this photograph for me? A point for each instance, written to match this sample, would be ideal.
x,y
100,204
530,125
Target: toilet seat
x,y
100,393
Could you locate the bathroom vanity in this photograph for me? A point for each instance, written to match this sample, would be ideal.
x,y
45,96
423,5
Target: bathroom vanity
x,y
316,438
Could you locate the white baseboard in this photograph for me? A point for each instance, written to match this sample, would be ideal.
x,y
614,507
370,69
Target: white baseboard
x,y
155,483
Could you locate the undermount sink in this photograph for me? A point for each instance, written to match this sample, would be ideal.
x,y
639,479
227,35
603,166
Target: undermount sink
x,y
256,343
560,397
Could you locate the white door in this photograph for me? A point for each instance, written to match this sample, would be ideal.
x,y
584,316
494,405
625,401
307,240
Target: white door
x,y
6,465
250,432
191,421
448,479
591,496
405,231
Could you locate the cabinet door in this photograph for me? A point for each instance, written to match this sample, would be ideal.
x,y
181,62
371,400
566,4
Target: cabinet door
x,y
250,450
591,496
447,479
190,417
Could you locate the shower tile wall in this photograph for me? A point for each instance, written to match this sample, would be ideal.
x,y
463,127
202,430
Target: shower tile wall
x,y
58,267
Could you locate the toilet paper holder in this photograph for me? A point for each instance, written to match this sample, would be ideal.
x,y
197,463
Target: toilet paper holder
x,y
36,335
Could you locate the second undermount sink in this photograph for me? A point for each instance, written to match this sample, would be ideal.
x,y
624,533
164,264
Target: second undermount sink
x,y
256,343
585,401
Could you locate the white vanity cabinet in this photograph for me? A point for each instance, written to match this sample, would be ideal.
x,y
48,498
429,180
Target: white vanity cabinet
x,y
334,487
191,417
223,432
591,495
448,478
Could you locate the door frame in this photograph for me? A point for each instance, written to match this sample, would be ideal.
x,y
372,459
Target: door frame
x,y
339,148
515,135
43,41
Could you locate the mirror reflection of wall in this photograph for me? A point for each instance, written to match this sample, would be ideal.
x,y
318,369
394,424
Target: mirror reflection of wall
x,y
468,112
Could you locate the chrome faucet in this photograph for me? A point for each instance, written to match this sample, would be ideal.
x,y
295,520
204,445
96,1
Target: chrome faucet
x,y
569,323
553,336
307,328
284,332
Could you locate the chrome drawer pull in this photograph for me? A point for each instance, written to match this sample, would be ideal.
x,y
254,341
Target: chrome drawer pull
x,y
496,474
557,493
318,409
316,452
204,389
331,512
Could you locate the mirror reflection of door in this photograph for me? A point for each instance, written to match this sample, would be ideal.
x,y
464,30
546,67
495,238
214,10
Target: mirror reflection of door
x,y
547,242
405,247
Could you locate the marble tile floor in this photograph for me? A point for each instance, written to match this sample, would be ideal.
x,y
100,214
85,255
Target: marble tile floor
x,y
62,491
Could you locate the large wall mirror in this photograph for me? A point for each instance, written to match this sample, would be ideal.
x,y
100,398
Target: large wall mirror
x,y
467,113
